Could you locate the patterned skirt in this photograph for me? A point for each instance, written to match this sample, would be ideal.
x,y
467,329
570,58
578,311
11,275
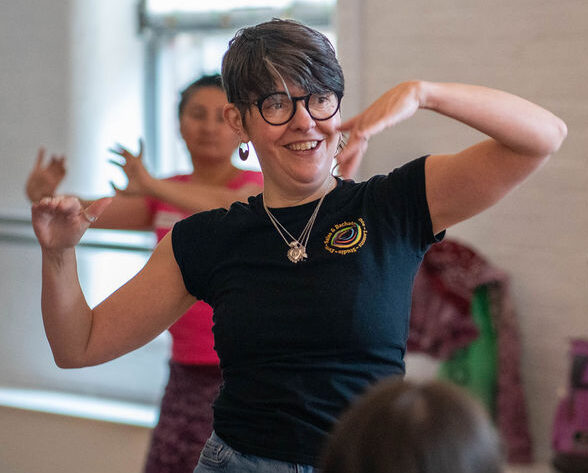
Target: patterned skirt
x,y
185,419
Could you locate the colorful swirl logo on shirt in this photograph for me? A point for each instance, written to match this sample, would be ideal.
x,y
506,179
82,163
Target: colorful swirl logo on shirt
x,y
346,237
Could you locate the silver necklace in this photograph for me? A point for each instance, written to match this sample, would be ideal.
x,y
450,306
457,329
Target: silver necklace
x,y
296,247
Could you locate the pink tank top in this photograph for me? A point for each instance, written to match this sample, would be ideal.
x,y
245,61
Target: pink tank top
x,y
192,339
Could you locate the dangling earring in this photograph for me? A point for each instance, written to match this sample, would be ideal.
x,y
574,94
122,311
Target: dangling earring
x,y
244,151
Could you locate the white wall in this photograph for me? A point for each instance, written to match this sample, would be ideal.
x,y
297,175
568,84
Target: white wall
x,y
34,89
106,96
533,48
72,81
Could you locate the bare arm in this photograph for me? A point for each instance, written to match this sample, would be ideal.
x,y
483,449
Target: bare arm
x,y
522,137
194,197
189,196
124,213
130,317
128,209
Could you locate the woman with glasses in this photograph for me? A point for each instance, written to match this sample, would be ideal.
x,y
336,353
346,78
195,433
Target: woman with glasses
x,y
311,280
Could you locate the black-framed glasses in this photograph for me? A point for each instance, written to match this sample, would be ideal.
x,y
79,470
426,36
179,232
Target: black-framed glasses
x,y
278,108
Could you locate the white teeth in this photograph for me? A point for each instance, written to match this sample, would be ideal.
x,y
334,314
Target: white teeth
x,y
303,146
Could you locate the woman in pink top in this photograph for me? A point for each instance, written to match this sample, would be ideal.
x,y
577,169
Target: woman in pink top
x,y
185,420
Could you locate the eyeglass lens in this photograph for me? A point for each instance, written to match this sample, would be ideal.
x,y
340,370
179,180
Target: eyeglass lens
x,y
278,108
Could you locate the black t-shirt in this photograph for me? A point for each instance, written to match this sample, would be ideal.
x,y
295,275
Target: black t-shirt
x,y
297,341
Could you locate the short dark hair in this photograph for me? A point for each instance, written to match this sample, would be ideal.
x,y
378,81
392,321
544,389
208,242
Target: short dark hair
x,y
261,55
409,427
212,80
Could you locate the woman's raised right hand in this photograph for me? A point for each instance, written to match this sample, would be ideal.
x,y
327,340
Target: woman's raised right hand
x,y
59,222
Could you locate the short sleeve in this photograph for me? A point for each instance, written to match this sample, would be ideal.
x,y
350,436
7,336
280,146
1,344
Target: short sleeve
x,y
402,196
193,244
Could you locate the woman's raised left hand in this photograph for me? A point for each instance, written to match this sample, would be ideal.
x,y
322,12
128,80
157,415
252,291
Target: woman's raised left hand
x,y
396,105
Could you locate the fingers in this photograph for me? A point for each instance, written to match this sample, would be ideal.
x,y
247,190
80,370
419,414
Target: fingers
x,y
40,157
119,150
117,190
89,218
358,133
354,146
62,204
57,158
95,209
123,152
131,167
116,163
57,164
56,161
349,159
349,124
125,169
70,206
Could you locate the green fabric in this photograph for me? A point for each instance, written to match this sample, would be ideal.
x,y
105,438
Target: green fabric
x,y
474,367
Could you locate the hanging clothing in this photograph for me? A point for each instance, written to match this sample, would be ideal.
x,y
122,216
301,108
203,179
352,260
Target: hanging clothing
x,y
441,323
474,367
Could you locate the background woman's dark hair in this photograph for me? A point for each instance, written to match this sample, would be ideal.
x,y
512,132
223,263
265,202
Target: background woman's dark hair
x,y
213,80
405,427
261,55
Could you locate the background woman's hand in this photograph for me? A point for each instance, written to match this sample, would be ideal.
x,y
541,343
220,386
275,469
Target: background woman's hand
x,y
396,105
139,179
44,180
59,222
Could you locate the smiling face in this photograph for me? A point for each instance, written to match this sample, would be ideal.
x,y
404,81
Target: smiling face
x,y
203,128
295,157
